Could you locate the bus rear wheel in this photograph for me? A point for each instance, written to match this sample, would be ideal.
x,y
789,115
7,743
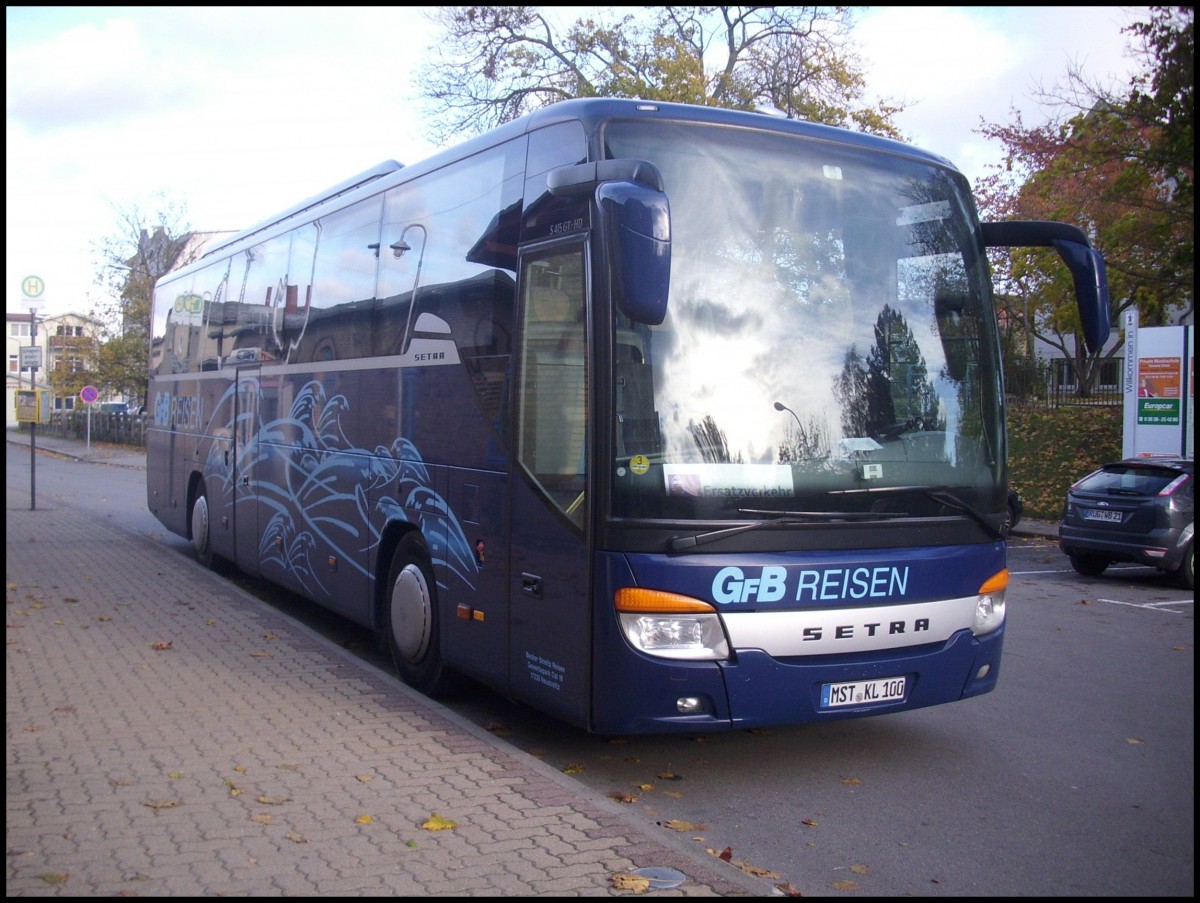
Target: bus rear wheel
x,y
410,618
201,528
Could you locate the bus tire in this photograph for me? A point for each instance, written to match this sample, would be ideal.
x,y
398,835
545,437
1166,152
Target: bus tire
x,y
200,527
410,618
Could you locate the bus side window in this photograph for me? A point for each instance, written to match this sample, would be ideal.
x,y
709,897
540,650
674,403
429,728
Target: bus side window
x,y
339,298
553,411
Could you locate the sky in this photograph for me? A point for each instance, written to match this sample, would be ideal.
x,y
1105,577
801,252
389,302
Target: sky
x,y
237,113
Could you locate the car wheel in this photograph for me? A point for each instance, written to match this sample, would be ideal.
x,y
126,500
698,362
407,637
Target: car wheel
x,y
1015,509
201,528
1186,572
410,618
1089,565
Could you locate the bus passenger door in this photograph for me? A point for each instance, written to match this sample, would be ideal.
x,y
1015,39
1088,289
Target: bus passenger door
x,y
245,454
550,657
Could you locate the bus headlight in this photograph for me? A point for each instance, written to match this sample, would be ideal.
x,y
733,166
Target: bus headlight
x,y
670,625
989,607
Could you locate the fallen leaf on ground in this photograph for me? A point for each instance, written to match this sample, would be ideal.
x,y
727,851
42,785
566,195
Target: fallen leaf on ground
x,y
365,820
435,822
677,824
273,800
572,768
622,797
294,837
161,646
161,804
860,869
845,885
625,881
755,870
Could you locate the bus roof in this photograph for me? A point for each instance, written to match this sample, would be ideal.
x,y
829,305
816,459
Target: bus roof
x,y
591,112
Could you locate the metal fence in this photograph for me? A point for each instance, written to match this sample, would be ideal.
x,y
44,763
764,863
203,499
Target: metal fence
x,y
1024,388
120,429
1039,386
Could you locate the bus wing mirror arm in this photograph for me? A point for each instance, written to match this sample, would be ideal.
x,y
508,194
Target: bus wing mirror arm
x,y
636,218
581,179
1086,264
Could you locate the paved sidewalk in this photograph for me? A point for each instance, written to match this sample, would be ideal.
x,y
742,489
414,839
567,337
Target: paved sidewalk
x,y
167,734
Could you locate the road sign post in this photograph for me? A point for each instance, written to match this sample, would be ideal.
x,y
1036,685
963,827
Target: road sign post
x,y
33,291
88,395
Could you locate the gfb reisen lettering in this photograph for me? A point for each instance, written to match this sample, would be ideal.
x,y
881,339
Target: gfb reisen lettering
x,y
733,586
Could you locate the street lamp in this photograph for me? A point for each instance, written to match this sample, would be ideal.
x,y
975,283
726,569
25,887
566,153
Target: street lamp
x,y
398,250
780,406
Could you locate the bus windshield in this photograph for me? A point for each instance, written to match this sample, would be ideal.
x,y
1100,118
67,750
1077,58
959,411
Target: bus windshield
x,y
829,345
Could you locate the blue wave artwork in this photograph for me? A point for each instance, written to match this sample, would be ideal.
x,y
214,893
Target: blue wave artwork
x,y
322,495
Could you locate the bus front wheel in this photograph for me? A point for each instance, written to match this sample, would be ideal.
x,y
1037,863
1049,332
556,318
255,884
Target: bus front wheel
x,y
410,618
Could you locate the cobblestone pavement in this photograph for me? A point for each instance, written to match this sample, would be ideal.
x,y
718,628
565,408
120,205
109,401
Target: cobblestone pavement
x,y
169,734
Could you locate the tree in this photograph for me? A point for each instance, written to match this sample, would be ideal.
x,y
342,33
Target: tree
x,y
1121,166
141,250
496,63
74,361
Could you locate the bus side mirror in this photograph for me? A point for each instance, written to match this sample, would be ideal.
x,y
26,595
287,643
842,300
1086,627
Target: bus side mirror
x,y
1091,290
1085,263
638,223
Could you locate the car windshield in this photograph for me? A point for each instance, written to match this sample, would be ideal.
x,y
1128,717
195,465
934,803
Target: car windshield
x,y
829,344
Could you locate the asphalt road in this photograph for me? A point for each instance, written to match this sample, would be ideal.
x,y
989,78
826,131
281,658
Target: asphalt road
x,y
1074,778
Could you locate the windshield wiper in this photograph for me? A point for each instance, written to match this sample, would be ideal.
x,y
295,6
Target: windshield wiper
x,y
679,543
943,494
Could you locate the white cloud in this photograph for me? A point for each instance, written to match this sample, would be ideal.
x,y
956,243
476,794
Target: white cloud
x,y
237,112
961,65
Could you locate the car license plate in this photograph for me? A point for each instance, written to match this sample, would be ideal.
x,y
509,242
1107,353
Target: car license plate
x,y
1104,514
862,692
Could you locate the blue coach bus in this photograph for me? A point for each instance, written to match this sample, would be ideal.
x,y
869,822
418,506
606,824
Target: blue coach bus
x,y
653,417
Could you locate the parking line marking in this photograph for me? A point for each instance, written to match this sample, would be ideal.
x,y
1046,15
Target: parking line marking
x,y
1156,606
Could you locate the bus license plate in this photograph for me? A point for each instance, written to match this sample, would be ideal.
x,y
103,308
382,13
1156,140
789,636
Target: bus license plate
x,y
862,692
